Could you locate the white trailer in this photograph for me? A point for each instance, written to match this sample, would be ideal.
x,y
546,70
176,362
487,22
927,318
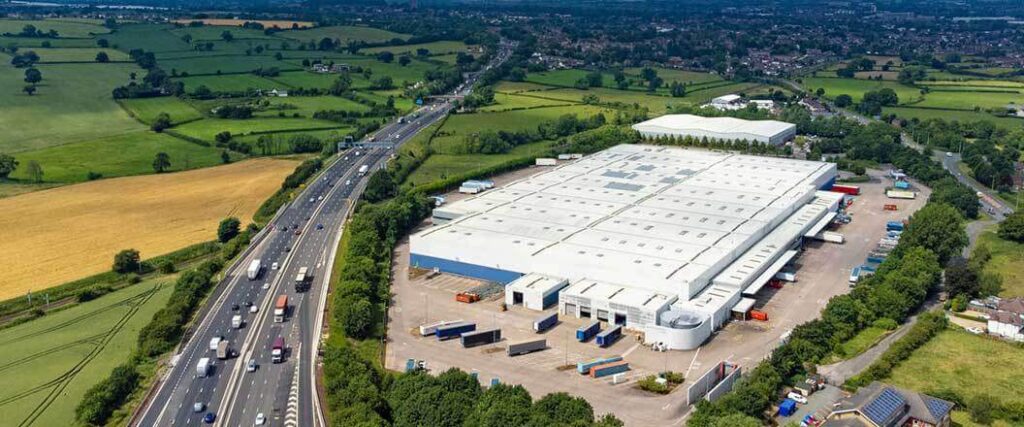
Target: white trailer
x,y
900,194
203,367
363,169
431,328
832,237
546,161
254,269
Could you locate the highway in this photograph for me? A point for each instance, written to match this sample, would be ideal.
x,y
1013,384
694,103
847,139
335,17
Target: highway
x,y
304,234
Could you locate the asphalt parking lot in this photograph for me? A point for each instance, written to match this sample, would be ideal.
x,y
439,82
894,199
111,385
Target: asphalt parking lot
x,y
822,271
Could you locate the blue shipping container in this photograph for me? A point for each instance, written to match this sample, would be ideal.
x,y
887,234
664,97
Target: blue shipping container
x,y
787,408
454,330
587,332
584,367
545,323
607,338
604,371
902,185
876,259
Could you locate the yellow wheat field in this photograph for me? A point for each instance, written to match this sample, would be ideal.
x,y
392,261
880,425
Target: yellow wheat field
x,y
54,236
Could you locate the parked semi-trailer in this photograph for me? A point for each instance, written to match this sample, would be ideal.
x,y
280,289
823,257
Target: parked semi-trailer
x,y
277,350
546,322
608,337
900,194
587,332
852,190
454,330
473,339
528,346
280,307
431,328
609,369
253,271
584,367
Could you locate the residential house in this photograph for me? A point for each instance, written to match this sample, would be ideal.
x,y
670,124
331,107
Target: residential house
x,y
1007,321
882,405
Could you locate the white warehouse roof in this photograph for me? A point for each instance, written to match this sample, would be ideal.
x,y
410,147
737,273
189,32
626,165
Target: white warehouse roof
x,y
721,128
651,219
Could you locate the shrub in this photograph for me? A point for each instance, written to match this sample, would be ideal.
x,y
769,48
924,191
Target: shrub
x,y
885,323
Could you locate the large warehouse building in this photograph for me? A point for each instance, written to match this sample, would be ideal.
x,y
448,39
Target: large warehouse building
x,y
659,239
721,128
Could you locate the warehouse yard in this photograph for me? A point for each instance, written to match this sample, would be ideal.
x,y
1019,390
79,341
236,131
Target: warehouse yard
x,y
822,272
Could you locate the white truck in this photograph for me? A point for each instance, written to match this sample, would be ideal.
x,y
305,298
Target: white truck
x,y
254,269
363,169
236,321
203,367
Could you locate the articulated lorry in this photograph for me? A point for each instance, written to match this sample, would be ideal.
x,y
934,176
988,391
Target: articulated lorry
x,y
280,307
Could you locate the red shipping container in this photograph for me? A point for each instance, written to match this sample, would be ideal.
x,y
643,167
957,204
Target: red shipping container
x,y
852,190
759,315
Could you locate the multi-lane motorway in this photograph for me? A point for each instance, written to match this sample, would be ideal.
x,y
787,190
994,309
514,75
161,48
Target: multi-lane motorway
x,y
304,234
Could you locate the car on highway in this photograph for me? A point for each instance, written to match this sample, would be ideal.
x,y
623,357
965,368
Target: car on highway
x,y
349,182
949,154
214,342
260,419
198,407
319,226
311,200
274,266
248,304
254,309
320,198
298,232
251,366
234,307
210,418
266,285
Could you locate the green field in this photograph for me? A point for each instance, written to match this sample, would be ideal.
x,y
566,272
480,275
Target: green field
x,y
225,64
49,363
231,83
307,105
856,88
655,103
146,109
343,33
206,129
72,104
565,78
1007,261
440,166
966,364
457,127
211,32
120,155
924,114
78,54
305,79
69,29
435,48
864,340
682,76
37,43
150,37
505,101
520,87
970,100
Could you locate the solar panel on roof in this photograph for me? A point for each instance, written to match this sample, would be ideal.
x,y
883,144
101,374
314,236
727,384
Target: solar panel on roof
x,y
938,408
885,407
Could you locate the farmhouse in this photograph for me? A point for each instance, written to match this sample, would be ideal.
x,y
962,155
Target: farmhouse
x,y
660,239
882,405
718,128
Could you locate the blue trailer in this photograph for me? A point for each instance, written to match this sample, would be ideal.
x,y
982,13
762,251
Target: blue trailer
x,y
787,408
454,330
875,259
902,185
546,322
607,338
894,226
587,332
584,367
609,369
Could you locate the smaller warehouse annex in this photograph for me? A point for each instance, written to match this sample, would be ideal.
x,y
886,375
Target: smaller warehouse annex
x,y
659,239
717,128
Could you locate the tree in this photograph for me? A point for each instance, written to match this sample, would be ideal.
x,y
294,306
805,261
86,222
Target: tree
x,y
29,89
356,315
382,83
960,278
563,410
501,406
33,76
127,261
7,165
162,121
102,57
222,137
381,186
225,157
404,60
678,90
595,79
341,85
161,162
843,101
102,43
34,171
228,229
938,227
1012,228
227,36
385,57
